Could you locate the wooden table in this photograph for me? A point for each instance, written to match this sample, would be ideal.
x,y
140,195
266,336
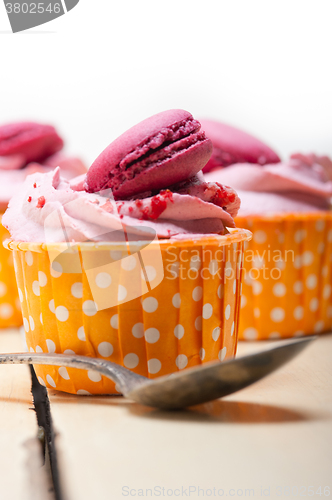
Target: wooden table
x,y
273,439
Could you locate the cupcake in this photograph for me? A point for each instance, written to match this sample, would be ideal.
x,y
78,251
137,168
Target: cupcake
x,y
25,148
287,265
231,145
137,262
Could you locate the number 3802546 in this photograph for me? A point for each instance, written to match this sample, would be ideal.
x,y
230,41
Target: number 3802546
x,y
32,8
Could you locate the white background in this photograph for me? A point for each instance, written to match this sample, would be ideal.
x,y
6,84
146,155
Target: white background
x,y
265,66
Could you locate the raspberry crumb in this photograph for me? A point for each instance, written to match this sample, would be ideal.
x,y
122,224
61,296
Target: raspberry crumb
x,y
41,202
34,185
29,199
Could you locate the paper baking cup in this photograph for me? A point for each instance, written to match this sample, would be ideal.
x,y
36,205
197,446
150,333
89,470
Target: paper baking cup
x,y
157,325
287,276
10,307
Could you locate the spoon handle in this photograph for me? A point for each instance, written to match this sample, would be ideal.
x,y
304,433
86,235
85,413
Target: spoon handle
x,y
125,379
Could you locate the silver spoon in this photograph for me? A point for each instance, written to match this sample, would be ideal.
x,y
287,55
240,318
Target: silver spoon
x,y
181,389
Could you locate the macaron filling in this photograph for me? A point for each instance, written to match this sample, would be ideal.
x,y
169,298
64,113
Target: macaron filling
x,y
153,158
164,137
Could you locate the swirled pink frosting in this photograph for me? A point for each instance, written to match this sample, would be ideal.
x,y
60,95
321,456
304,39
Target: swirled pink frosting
x,y
301,184
190,208
11,178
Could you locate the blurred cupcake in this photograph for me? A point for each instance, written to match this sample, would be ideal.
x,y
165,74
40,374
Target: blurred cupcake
x,y
133,263
287,266
25,148
231,145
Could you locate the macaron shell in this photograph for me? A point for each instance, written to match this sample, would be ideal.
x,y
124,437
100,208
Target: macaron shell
x,y
232,145
180,167
32,141
135,138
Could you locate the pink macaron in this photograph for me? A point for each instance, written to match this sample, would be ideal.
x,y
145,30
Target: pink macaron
x,y
231,145
21,143
160,151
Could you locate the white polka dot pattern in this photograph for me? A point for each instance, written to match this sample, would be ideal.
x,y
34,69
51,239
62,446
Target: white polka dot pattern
x,y
77,290
213,267
164,330
138,330
103,280
115,321
105,349
222,353
131,360
279,290
32,323
6,310
314,303
150,304
154,366
181,361
129,263
50,381
64,373
36,288
149,274
83,392
51,347
122,293
216,333
62,313
277,314
89,308
207,311
197,293
176,300
56,270
220,291
290,259
42,278
29,258
26,324
94,376
260,237
152,335
81,334
228,312
179,331
257,288
250,334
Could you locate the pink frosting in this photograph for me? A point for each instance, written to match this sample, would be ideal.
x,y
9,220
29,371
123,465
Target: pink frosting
x,y
11,177
196,208
301,184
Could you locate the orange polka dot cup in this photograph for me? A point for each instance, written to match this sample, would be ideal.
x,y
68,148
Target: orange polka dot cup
x,y
287,276
10,306
109,300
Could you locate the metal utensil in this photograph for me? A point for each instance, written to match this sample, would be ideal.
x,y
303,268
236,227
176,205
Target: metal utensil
x,y
185,388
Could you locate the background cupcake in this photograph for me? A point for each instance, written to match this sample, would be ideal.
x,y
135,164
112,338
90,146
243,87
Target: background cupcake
x,y
288,271
25,148
150,279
